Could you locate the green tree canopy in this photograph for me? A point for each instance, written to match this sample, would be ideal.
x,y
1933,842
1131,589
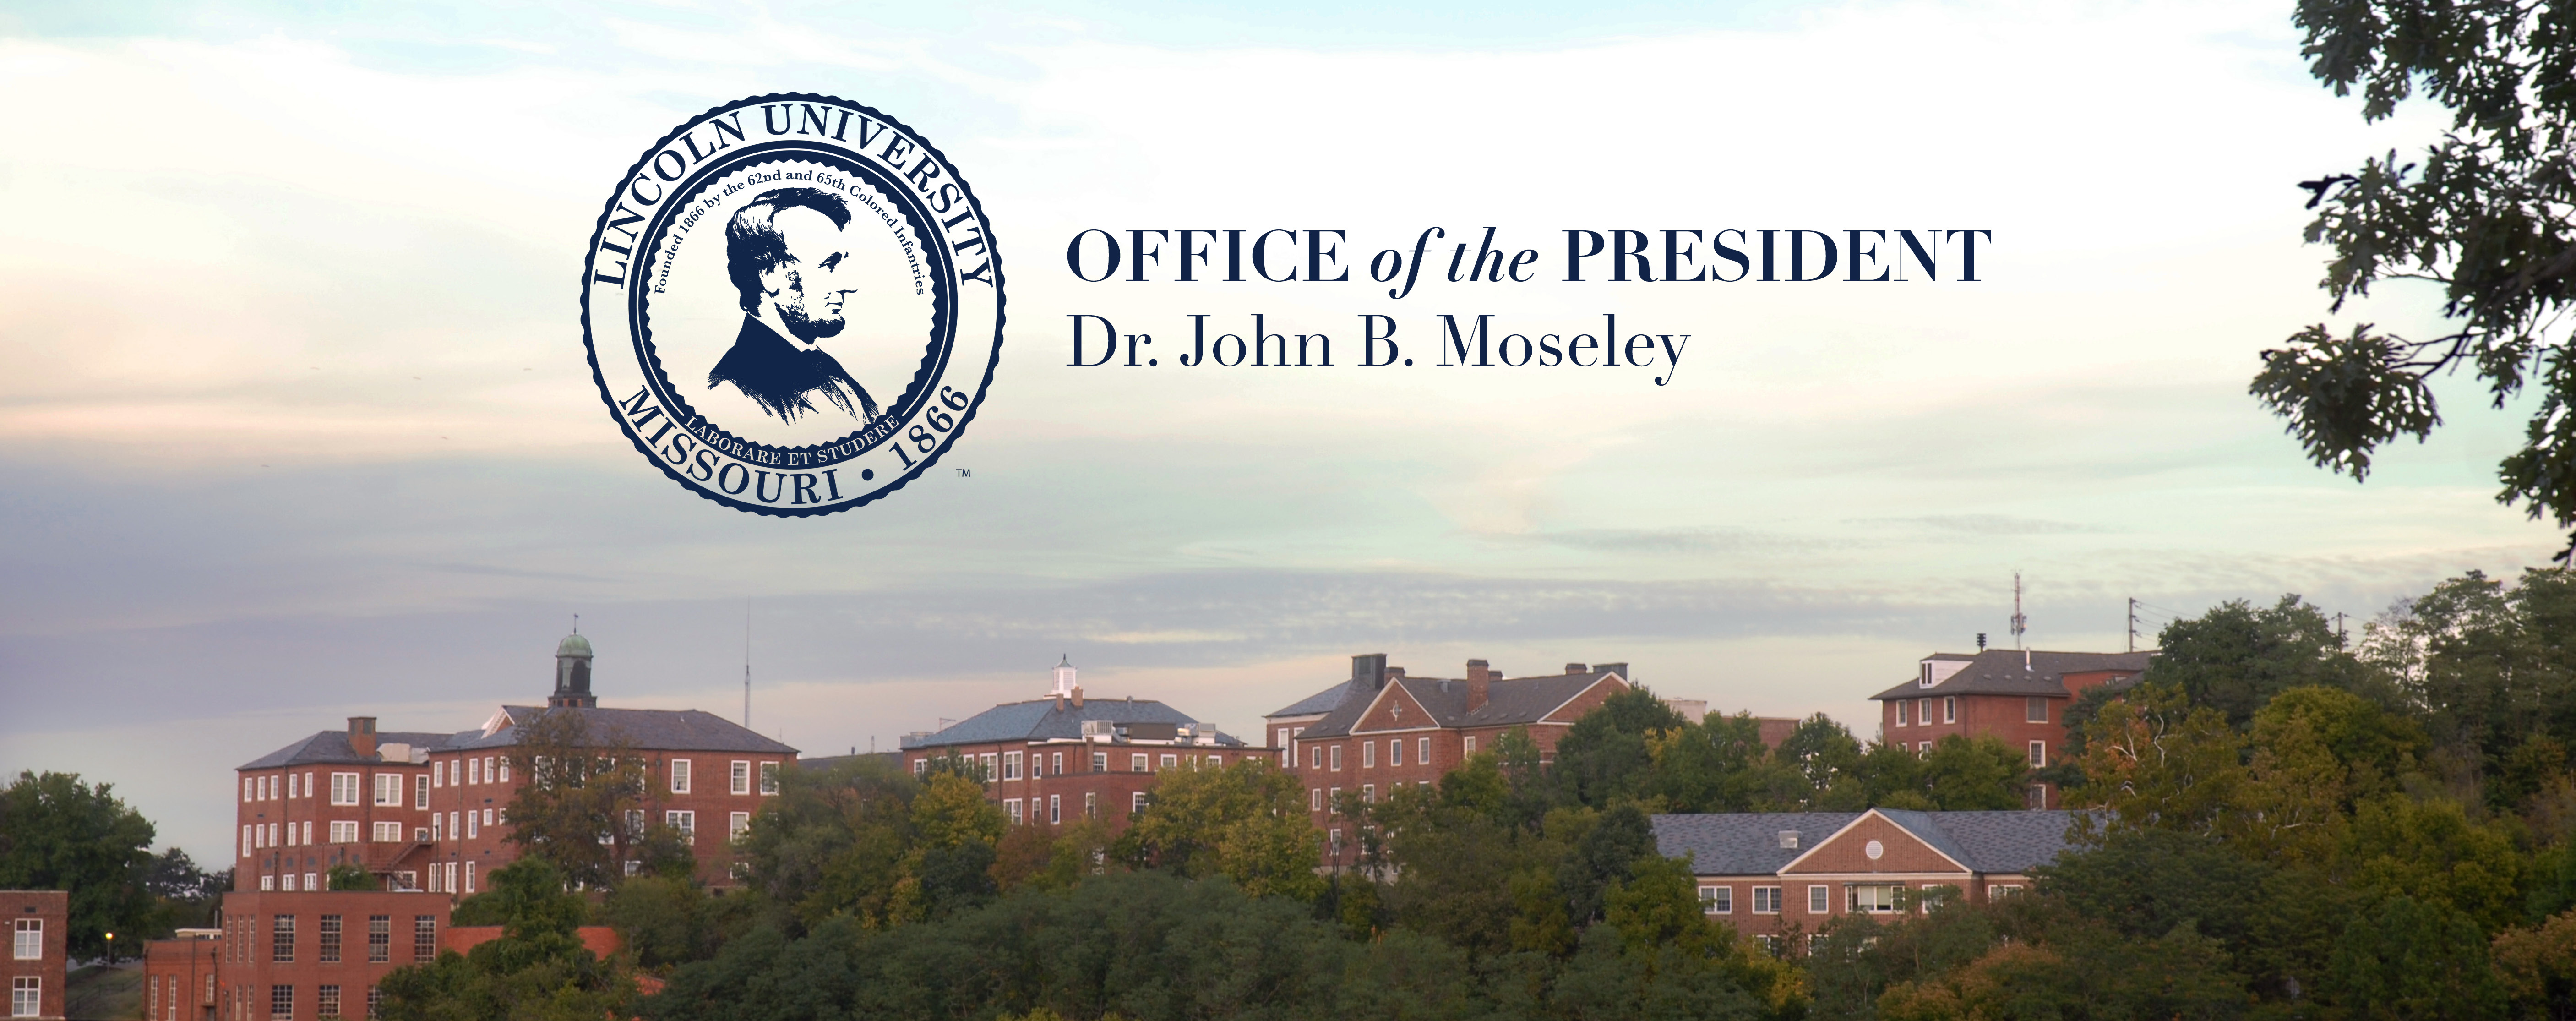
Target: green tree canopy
x,y
57,833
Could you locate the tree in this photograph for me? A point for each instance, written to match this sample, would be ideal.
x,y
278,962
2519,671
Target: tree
x,y
1247,821
2538,968
583,805
1607,754
833,841
2491,217
2410,959
2236,657
57,833
538,970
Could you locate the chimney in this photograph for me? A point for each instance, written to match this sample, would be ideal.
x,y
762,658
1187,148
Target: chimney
x,y
1480,678
362,735
1077,696
1368,673
1577,668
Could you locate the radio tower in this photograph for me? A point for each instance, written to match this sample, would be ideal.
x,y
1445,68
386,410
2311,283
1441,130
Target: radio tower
x,y
2019,622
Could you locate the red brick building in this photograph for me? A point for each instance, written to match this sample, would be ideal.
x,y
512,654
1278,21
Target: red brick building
x,y
430,811
1382,730
307,955
2017,696
1065,757
40,935
1778,875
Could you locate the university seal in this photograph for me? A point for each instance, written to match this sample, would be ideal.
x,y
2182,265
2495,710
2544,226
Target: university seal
x,y
792,304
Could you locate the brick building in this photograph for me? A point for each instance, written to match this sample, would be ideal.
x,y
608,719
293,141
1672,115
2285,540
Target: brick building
x,y
40,935
1776,875
430,810
1381,729
307,955
2017,696
1066,756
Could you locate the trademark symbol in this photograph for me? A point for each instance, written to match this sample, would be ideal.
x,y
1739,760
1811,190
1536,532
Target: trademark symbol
x,y
965,472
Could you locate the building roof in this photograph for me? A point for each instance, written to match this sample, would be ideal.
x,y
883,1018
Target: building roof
x,y
1319,702
332,747
573,645
661,730
1045,719
818,764
2017,672
1518,700
1748,843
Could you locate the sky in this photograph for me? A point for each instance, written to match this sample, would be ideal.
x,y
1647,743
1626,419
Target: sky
x,y
296,423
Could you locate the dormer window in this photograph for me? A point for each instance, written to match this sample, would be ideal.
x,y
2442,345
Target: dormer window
x,y
1788,840
1926,680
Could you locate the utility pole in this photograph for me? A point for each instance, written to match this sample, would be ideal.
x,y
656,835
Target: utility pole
x,y
2133,623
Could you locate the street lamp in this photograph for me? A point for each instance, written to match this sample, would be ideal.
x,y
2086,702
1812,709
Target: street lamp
x,y
111,950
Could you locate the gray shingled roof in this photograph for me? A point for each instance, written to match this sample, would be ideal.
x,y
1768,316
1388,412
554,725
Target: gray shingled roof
x,y
673,730
1319,702
1748,843
1042,720
1508,702
332,747
2002,672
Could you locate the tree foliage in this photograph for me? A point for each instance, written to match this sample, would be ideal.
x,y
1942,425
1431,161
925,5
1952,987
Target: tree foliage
x,y
58,833
2487,212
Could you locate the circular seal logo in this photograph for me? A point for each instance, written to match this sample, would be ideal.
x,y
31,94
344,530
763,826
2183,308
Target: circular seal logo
x,y
792,304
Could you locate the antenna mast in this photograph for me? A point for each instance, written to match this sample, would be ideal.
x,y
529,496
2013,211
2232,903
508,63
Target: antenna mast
x,y
2133,623
746,666
2019,622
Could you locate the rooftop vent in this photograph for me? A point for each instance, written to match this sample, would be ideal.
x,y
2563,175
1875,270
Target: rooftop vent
x,y
1789,840
1099,730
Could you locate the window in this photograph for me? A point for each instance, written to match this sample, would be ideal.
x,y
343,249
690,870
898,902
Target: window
x,y
920,766
1100,762
1337,758
474,771
1315,756
155,1006
308,834
1950,709
1315,798
388,788
281,938
473,824
1900,712
26,996
1995,891
1471,744
344,833
1136,802
248,787
1091,804
1333,799
769,774
738,825
424,937
1873,898
326,999
388,833
1368,793
2036,798
437,826
1011,807
741,776
245,849
2036,711
1010,765
685,822
380,938
1055,809
487,816
989,771
1170,761
327,941
2038,754
1136,763
290,882
375,1003
469,877
1395,751
1923,711
1820,899
1931,896
679,776
419,799
1368,755
1717,900
505,769
268,882
1056,768
281,1003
